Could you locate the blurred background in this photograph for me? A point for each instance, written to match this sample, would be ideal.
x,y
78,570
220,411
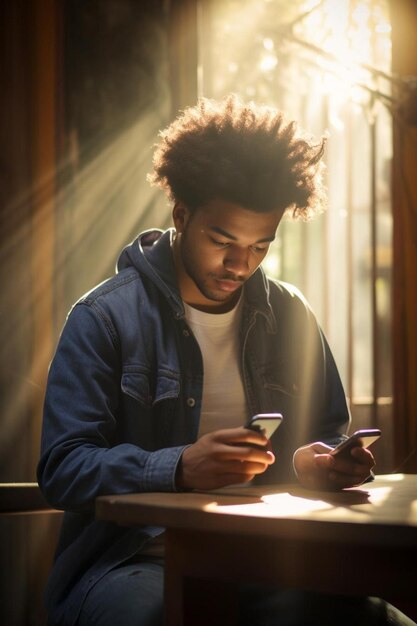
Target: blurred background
x,y
85,87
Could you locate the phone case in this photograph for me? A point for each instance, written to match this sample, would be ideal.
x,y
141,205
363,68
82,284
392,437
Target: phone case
x,y
363,438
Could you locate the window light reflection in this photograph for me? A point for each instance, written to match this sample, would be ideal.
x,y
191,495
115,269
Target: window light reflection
x,y
384,502
268,62
279,505
393,478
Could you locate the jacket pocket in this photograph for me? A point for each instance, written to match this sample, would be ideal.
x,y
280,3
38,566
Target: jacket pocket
x,y
289,389
278,379
147,389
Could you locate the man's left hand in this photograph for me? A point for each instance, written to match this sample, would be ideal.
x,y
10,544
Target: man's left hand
x,y
317,469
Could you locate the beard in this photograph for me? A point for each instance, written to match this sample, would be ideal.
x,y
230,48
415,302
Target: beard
x,y
205,282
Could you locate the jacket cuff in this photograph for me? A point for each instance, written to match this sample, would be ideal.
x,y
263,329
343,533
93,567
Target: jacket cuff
x,y
161,469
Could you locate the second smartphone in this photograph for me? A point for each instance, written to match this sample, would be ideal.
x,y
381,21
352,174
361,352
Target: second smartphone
x,y
265,423
363,438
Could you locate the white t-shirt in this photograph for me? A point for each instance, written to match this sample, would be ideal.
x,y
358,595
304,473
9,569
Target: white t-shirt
x,y
224,403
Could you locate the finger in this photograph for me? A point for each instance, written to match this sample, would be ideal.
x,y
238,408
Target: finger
x,y
356,455
353,467
233,436
345,464
340,473
246,453
347,475
240,465
246,467
320,448
363,456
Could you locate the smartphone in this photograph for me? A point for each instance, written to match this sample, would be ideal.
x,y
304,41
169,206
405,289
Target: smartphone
x,y
265,423
363,438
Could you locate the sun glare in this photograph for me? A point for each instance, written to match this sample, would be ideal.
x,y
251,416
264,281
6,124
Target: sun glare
x,y
345,32
327,64
272,505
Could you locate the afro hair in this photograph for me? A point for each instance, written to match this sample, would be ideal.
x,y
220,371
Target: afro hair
x,y
245,153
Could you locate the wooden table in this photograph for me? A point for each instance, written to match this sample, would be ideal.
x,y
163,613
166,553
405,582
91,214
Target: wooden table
x,y
359,541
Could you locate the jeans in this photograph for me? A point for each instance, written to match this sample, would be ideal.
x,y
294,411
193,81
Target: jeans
x,y
132,595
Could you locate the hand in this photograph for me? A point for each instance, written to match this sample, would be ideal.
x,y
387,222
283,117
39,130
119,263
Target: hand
x,y
317,469
223,457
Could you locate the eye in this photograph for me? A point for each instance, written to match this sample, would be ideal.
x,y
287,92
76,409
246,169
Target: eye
x,y
219,244
260,249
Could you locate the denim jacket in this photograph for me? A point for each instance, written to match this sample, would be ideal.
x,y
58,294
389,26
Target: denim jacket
x,y
124,395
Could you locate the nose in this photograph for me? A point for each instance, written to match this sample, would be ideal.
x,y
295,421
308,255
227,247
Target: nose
x,y
237,261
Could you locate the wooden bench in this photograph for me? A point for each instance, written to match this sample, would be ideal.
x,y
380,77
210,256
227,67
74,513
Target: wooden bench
x,y
18,497
29,530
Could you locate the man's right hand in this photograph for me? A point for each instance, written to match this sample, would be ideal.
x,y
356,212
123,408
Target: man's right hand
x,y
223,457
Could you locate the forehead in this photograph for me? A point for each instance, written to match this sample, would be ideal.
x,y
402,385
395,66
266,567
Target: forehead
x,y
222,215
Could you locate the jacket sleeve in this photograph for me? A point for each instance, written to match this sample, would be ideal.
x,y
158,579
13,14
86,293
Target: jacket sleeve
x,y
321,383
318,409
333,420
81,457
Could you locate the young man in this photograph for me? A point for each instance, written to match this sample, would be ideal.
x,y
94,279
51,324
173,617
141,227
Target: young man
x,y
158,368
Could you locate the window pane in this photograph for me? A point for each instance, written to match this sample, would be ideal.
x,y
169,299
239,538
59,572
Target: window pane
x,y
313,60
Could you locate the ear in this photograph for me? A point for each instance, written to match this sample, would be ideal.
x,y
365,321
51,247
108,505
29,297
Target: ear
x,y
180,216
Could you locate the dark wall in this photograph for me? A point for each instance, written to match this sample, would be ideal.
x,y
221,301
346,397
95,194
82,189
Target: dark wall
x,y
116,66
15,230
97,109
115,99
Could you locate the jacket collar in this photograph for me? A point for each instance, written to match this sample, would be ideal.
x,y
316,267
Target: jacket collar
x,y
257,298
151,254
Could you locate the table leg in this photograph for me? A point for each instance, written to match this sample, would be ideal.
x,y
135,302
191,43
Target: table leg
x,y
174,582
190,599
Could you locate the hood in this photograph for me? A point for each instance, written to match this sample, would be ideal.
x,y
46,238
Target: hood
x,y
150,254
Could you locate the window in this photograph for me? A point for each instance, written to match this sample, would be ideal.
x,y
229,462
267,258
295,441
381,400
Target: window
x,y
326,64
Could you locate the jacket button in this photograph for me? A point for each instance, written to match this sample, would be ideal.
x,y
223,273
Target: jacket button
x,y
185,333
191,402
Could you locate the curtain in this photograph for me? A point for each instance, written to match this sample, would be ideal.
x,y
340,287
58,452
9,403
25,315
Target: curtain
x,y
404,64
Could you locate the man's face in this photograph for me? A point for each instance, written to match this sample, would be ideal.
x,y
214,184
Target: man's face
x,y
218,247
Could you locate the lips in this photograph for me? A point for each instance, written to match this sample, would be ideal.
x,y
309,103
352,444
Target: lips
x,y
228,285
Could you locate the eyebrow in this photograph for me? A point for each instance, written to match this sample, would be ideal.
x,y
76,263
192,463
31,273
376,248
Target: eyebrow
x,y
224,233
